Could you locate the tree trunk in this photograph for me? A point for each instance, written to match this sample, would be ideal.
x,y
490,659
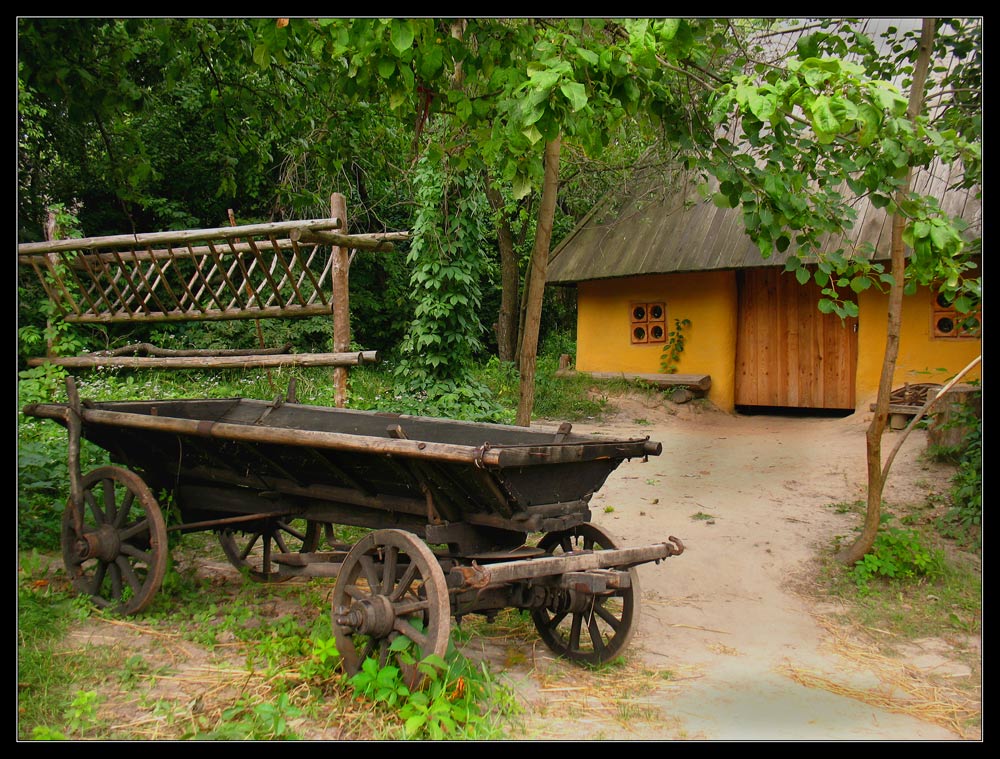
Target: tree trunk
x,y
510,279
536,283
876,474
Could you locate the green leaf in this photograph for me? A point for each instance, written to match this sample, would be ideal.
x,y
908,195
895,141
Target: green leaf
x,y
400,643
720,200
826,306
889,99
802,275
385,67
588,55
401,34
431,62
522,185
544,79
575,93
943,237
823,117
262,56
782,243
532,134
762,106
667,30
860,283
807,46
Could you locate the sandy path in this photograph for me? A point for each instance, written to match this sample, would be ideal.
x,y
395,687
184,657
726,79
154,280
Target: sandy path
x,y
724,617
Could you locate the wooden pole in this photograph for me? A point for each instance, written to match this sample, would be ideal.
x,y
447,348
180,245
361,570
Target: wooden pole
x,y
51,233
180,236
341,302
280,360
376,241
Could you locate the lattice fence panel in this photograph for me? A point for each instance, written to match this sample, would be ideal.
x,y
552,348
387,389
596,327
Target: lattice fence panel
x,y
255,271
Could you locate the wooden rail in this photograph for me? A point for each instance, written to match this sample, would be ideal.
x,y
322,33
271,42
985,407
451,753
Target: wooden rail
x,y
254,271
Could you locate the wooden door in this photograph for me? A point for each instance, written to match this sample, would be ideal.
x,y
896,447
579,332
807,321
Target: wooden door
x,y
788,353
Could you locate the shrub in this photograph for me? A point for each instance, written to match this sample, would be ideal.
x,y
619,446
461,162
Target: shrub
x,y
897,554
964,519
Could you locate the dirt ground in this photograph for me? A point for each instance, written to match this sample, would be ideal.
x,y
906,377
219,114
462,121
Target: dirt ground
x,y
730,643
749,656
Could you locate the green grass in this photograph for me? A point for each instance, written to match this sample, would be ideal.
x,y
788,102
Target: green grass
x,y
945,602
280,676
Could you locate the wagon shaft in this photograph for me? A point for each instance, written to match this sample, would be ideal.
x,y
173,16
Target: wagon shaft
x,y
495,575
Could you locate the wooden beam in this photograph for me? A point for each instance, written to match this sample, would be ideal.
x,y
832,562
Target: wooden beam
x,y
379,241
181,236
211,362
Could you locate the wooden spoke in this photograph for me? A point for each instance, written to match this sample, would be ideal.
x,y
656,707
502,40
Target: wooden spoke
x,y
120,557
253,550
597,629
376,599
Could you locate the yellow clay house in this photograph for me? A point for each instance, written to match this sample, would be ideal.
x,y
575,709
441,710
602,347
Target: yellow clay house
x,y
642,264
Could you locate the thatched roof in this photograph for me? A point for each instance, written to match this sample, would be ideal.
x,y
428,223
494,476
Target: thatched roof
x,y
656,229
661,224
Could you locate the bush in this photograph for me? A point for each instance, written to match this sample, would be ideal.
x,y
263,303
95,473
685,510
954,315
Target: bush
x,y
964,519
897,554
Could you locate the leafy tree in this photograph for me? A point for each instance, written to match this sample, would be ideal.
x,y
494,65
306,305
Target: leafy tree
x,y
823,128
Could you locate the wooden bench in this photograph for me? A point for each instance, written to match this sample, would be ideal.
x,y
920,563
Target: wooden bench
x,y
685,386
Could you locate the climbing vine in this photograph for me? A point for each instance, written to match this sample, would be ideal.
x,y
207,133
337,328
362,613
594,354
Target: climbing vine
x,y
674,346
447,264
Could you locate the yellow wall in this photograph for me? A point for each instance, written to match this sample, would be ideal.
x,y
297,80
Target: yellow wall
x,y
922,358
709,301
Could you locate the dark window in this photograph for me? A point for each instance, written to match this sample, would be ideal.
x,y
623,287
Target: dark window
x,y
648,322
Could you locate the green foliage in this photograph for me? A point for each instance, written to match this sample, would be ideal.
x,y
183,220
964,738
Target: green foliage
x,y
447,261
451,701
674,347
40,384
81,715
791,185
251,721
46,697
964,519
897,554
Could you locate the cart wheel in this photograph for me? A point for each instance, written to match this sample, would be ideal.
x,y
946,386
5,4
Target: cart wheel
x,y
252,549
591,629
390,584
121,557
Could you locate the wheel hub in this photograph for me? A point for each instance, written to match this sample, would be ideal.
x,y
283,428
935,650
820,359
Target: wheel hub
x,y
369,616
102,543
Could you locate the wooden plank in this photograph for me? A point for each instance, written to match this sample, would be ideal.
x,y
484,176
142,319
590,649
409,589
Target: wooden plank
x,y
806,314
778,339
792,297
745,386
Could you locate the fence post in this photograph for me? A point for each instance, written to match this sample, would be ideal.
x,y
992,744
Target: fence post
x,y
341,302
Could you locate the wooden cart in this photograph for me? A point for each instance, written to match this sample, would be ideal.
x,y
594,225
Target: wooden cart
x,y
451,505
